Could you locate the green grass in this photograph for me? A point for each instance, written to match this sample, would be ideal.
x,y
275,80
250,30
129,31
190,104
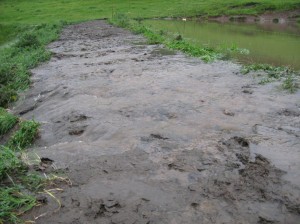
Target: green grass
x,y
24,54
19,183
9,162
15,180
7,121
9,32
271,73
24,136
13,199
30,12
172,42
291,84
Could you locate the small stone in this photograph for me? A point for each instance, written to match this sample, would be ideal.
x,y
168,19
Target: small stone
x,y
247,91
228,113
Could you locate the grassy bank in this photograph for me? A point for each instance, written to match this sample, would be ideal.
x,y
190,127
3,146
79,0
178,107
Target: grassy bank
x,y
174,41
19,183
24,54
15,180
26,180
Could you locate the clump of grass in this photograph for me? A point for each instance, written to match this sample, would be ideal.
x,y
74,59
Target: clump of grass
x,y
152,37
289,84
261,67
207,54
9,162
24,136
7,121
121,20
28,40
14,203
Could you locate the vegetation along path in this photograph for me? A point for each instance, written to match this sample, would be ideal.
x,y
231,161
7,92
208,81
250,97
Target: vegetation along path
x,y
148,135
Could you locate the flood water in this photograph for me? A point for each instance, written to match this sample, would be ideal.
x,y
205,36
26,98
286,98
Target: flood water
x,y
275,44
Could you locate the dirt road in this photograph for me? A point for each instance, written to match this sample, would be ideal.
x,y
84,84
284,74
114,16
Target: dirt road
x,y
151,136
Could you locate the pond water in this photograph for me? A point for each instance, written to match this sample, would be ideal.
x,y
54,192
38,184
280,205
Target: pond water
x,y
275,44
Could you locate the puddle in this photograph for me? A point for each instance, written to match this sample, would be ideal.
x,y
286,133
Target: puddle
x,y
273,43
162,52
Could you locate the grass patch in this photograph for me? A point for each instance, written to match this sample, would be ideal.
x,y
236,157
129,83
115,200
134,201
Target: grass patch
x,y
9,32
15,181
26,53
30,12
9,162
289,77
24,136
20,184
207,54
7,121
290,84
14,203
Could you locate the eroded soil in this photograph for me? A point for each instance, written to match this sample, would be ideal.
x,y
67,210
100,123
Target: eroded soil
x,y
152,136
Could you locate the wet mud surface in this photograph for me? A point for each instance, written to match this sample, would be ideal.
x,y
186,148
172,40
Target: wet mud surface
x,y
152,136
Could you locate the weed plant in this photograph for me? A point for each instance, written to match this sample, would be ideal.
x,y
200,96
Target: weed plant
x,y
271,73
290,84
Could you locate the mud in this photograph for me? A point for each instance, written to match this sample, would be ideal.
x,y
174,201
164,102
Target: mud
x,y
152,136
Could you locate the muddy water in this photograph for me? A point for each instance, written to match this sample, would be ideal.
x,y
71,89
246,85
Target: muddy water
x,y
276,44
152,136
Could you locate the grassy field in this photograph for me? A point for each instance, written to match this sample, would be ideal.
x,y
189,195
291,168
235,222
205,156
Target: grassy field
x,y
16,13
45,11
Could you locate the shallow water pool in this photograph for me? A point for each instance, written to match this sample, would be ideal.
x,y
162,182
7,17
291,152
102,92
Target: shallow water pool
x,y
275,44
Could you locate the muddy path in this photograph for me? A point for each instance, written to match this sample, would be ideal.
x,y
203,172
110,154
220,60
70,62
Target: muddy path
x,y
151,136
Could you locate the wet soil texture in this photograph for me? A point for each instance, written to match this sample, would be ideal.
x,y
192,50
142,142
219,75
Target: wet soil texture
x,y
152,136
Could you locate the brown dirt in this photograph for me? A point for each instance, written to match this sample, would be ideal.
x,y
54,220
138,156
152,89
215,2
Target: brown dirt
x,y
152,136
